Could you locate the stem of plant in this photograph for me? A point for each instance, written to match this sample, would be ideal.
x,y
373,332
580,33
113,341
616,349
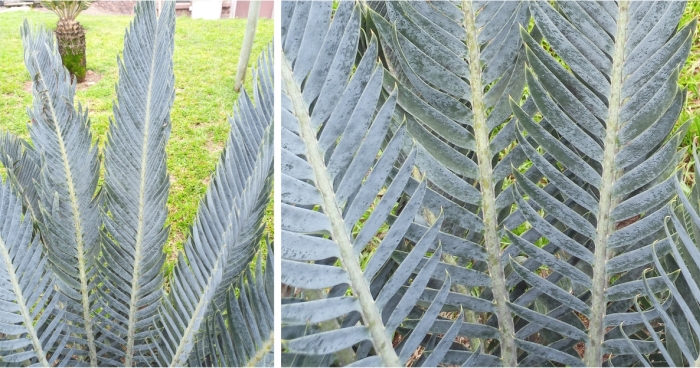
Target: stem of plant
x,y
80,252
492,241
262,351
593,357
360,288
248,38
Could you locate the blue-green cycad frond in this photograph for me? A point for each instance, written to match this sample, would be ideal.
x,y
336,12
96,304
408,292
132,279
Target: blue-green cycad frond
x,y
249,137
69,171
335,168
22,164
456,65
678,344
33,329
136,186
240,332
228,226
611,99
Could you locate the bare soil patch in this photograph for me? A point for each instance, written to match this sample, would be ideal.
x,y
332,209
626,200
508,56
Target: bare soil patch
x,y
91,78
111,8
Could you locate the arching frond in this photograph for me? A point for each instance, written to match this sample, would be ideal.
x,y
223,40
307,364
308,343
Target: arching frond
x,y
334,125
22,164
136,187
69,171
33,329
612,109
455,66
681,330
228,226
241,334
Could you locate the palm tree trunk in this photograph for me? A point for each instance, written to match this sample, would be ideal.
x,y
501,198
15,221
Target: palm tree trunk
x,y
71,45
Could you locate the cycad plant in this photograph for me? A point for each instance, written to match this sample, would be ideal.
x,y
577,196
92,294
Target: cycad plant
x,y
507,211
70,34
680,320
82,271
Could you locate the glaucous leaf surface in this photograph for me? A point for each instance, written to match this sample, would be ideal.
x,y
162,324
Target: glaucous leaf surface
x,y
136,184
455,67
612,97
678,344
229,225
65,187
21,164
33,328
94,294
240,334
335,166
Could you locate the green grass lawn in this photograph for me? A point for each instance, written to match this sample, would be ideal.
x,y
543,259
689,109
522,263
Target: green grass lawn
x,y
690,78
206,56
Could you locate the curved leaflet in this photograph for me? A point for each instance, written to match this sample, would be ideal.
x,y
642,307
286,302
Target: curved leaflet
x,y
333,128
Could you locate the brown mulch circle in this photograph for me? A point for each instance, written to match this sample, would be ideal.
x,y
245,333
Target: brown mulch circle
x,y
105,8
91,78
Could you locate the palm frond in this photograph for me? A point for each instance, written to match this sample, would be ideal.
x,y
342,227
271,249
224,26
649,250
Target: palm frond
x,y
23,166
333,128
250,229
136,186
66,9
678,345
33,329
67,183
455,66
612,110
241,334
228,226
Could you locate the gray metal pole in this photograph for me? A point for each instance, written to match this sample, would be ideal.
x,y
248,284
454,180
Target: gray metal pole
x,y
251,26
